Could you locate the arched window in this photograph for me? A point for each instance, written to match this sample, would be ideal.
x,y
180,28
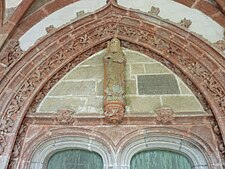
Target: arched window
x,y
159,159
75,159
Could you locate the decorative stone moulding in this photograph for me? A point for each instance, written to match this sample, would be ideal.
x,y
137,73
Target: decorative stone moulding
x,y
11,53
38,150
64,138
35,72
166,139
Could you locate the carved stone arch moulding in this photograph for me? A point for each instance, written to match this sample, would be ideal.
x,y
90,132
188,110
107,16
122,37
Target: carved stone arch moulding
x,y
168,138
44,144
29,77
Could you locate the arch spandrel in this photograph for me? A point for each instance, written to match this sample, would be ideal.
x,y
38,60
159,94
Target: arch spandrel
x,y
31,76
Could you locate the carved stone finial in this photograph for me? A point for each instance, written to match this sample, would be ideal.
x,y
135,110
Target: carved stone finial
x,y
65,116
185,23
164,115
111,1
50,29
154,11
80,14
220,44
114,82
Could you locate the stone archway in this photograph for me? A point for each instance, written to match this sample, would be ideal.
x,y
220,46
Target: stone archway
x,y
29,78
175,140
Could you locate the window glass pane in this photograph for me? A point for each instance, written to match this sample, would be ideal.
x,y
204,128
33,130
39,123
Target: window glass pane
x,y
159,159
75,159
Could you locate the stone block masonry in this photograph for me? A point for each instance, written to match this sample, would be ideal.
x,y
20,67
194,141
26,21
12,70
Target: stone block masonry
x,y
149,85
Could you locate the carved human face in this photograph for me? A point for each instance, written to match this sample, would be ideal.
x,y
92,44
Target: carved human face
x,y
115,45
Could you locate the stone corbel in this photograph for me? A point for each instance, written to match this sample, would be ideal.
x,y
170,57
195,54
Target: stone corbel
x,y
164,115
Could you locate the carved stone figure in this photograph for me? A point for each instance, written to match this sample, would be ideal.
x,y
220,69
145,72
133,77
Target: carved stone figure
x,y
114,82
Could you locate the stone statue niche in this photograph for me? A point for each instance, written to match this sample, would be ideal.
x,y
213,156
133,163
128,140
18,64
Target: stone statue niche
x,y
114,82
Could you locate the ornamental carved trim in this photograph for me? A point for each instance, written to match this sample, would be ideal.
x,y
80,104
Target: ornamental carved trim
x,y
65,116
18,146
9,55
219,139
75,45
164,115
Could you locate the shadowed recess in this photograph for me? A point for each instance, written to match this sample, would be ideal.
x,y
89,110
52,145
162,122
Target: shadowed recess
x,y
159,159
75,159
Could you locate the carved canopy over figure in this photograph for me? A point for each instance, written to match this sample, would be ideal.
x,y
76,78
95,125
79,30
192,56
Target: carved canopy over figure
x,y
114,82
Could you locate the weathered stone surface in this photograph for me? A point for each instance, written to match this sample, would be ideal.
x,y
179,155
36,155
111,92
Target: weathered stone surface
x,y
100,88
181,103
142,104
74,88
94,105
55,104
184,89
84,82
127,72
210,92
95,59
155,68
137,69
136,57
88,72
157,84
131,87
114,82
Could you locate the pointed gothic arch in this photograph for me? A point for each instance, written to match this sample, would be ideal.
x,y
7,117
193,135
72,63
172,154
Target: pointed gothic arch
x,y
28,79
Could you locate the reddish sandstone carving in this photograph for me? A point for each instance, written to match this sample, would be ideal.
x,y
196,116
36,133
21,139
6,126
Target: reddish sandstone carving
x,y
65,116
114,82
18,146
164,115
50,29
37,71
2,143
10,53
220,45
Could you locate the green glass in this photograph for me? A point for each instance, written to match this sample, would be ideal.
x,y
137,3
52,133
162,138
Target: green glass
x,y
75,159
159,159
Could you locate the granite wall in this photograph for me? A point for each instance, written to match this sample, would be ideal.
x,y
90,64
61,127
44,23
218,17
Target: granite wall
x,y
149,85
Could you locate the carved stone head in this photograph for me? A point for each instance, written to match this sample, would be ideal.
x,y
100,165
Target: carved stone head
x,y
114,45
